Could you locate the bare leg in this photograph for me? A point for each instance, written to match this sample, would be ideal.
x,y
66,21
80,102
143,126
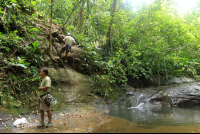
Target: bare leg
x,y
70,49
49,115
42,115
60,55
66,57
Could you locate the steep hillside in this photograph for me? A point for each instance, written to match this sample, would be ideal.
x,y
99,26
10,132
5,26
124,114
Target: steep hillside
x,y
24,50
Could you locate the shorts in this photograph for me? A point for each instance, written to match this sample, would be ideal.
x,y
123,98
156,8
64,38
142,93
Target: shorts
x,y
65,48
43,106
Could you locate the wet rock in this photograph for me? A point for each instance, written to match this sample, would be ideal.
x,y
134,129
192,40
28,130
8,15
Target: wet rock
x,y
129,93
187,80
174,95
171,80
180,95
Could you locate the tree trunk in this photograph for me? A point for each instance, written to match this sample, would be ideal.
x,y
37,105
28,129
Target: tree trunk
x,y
50,33
108,40
50,28
81,17
87,16
73,19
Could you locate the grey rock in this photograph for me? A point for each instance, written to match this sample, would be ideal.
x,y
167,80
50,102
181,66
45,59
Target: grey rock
x,y
171,80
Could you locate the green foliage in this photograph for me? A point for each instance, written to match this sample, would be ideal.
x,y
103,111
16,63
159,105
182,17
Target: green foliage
x,y
152,40
105,88
1,99
35,45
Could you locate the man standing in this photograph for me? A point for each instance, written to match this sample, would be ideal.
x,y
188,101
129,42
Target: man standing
x,y
69,41
43,90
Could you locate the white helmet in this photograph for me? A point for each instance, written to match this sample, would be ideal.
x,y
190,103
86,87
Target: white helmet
x,y
69,34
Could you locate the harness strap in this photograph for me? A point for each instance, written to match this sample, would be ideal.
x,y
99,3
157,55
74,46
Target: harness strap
x,y
44,94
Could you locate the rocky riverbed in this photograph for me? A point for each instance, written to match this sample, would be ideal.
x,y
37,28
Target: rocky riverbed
x,y
84,117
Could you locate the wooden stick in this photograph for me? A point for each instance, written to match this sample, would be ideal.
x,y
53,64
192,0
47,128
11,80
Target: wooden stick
x,y
4,11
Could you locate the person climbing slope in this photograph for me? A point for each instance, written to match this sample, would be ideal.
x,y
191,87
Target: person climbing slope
x,y
69,41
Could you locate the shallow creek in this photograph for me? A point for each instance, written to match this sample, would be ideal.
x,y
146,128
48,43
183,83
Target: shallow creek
x,y
154,120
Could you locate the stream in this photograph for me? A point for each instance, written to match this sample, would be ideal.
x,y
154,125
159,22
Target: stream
x,y
153,120
166,109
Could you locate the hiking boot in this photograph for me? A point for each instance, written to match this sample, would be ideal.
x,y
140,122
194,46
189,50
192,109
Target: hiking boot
x,y
49,124
41,124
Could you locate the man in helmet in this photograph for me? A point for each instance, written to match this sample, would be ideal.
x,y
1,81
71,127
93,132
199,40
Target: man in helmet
x,y
69,41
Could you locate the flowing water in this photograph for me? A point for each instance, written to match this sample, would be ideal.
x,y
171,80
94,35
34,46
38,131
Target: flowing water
x,y
153,120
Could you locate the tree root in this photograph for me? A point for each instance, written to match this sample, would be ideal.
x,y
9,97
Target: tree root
x,y
52,57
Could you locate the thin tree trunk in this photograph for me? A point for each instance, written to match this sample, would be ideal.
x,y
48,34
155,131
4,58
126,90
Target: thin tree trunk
x,y
165,67
81,17
50,39
108,40
71,12
73,19
50,33
87,16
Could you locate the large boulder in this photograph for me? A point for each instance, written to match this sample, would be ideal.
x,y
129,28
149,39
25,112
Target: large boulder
x,y
183,94
130,97
74,58
171,80
73,85
77,52
177,95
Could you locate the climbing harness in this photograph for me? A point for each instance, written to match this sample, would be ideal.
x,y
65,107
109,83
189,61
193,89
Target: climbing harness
x,y
48,99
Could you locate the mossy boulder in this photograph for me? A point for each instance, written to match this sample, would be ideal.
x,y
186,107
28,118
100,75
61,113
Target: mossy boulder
x,y
73,85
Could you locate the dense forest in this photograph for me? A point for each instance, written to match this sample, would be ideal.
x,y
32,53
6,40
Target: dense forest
x,y
152,40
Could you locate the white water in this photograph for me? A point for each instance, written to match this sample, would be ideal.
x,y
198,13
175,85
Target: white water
x,y
141,105
139,99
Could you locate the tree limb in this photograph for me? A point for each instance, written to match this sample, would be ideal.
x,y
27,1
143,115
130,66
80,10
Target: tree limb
x,y
4,11
77,2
